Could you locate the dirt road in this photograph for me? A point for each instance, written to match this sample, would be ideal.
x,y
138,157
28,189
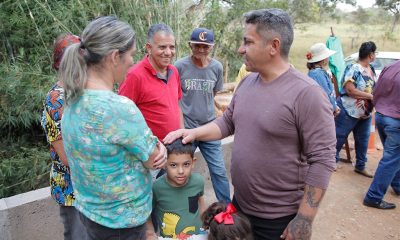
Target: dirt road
x,y
342,215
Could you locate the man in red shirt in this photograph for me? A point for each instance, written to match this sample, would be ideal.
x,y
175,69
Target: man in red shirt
x,y
154,84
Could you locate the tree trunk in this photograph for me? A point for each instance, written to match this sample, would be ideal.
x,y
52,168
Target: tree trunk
x,y
395,20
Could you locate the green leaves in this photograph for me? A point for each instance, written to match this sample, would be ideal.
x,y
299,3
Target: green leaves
x,y
23,168
22,91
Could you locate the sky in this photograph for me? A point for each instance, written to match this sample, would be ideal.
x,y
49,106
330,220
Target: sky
x,y
362,3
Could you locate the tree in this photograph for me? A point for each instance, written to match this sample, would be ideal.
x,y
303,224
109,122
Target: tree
x,y
303,11
361,17
392,6
328,7
312,10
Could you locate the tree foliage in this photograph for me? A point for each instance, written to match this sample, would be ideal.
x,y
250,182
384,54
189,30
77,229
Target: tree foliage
x,y
392,6
32,25
29,27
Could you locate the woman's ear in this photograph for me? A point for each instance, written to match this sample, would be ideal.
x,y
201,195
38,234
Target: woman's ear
x,y
115,57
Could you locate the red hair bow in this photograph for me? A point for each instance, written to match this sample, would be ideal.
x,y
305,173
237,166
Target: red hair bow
x,y
226,216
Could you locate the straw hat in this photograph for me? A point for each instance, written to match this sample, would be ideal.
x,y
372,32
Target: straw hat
x,y
318,52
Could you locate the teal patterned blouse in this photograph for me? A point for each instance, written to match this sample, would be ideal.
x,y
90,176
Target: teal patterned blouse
x,y
107,140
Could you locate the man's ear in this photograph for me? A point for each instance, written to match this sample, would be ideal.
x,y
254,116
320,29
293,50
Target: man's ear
x,y
275,46
148,48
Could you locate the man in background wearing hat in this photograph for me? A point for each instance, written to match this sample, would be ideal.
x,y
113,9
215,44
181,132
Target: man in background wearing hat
x,y
201,78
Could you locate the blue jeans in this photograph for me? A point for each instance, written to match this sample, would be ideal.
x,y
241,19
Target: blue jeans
x,y
212,153
388,171
361,130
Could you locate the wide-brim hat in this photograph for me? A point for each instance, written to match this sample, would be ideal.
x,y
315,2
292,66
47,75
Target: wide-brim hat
x,y
318,52
202,36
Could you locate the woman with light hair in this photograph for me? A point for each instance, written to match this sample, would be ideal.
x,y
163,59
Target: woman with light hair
x,y
108,144
317,63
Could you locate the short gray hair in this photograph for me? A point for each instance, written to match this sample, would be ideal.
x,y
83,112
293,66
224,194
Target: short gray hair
x,y
275,22
159,27
100,37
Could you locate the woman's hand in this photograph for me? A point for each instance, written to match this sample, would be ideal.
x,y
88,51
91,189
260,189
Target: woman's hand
x,y
158,158
161,159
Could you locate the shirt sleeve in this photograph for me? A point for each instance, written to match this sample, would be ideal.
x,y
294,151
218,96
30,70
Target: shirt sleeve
x,y
320,79
350,76
132,131
317,135
379,89
130,88
225,122
219,85
323,80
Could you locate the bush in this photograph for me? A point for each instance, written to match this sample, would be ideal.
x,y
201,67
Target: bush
x,y
23,168
26,39
22,91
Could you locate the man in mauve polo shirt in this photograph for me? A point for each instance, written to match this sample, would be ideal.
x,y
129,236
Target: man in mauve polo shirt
x,y
154,84
284,149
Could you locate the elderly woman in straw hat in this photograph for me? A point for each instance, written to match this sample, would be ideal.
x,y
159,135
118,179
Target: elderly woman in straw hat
x,y
317,62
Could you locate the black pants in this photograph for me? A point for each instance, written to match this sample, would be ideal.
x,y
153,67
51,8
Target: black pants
x,y
73,227
266,229
96,231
